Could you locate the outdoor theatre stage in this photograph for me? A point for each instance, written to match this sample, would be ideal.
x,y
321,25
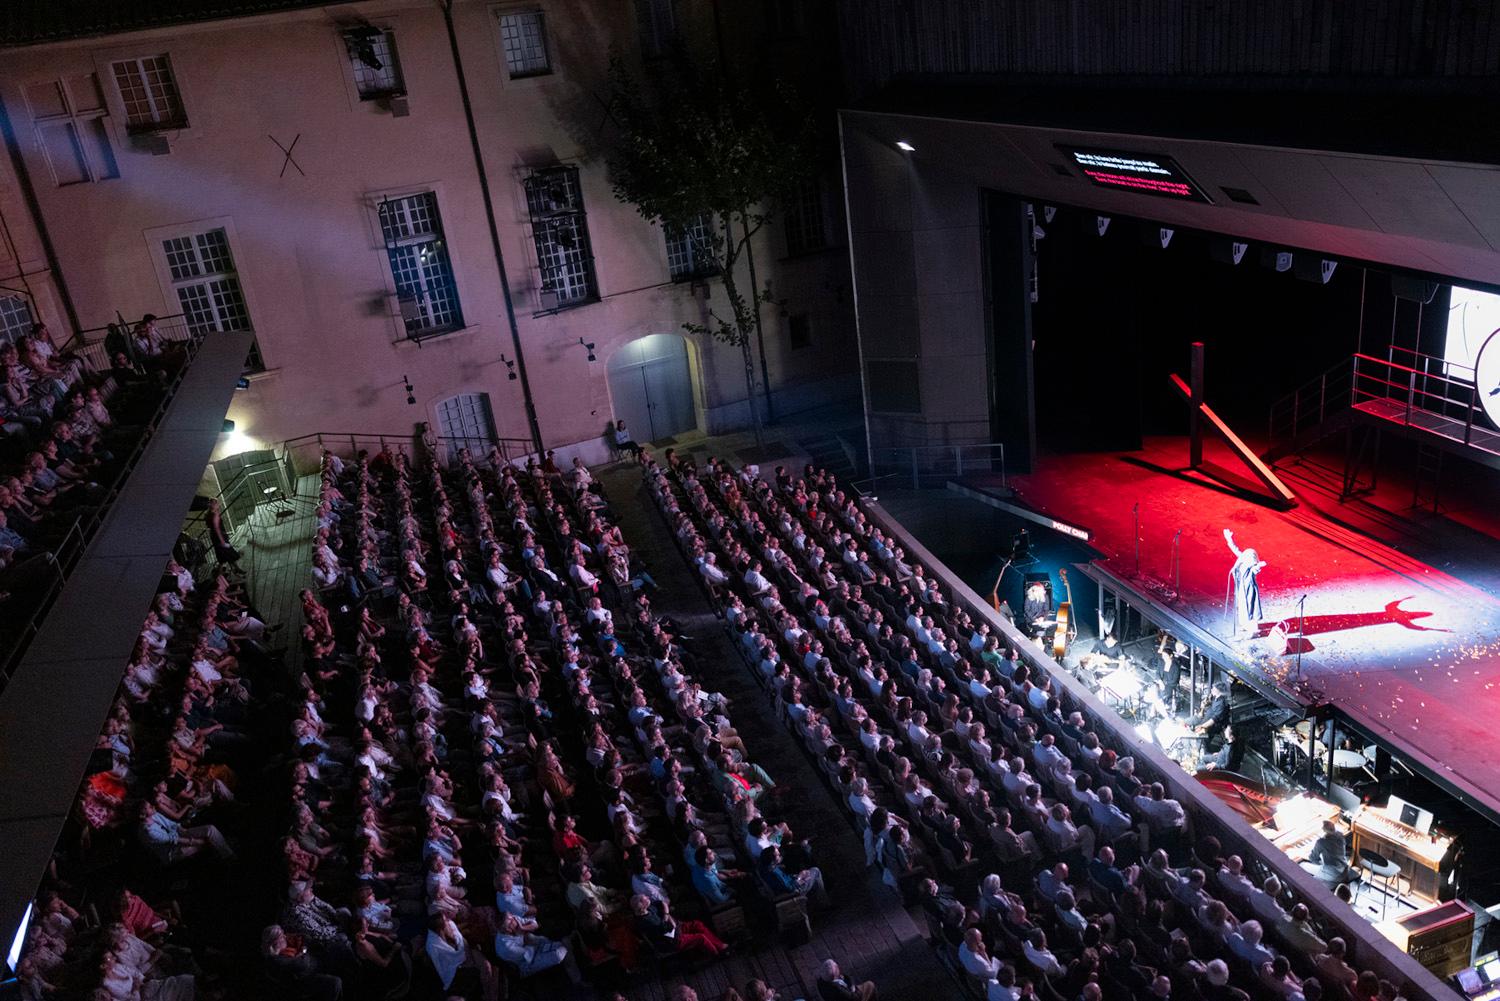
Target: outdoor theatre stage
x,y
1406,652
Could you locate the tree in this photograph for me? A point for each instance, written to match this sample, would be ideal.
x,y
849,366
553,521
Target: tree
x,y
694,143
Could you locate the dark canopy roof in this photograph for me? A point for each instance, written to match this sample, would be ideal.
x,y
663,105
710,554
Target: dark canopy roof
x,y
30,22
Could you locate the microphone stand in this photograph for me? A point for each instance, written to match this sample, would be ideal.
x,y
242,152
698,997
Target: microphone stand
x,y
1176,565
1301,627
1137,512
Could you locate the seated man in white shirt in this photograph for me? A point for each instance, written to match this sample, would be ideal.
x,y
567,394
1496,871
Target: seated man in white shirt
x,y
974,956
756,581
528,952
1039,956
709,568
582,575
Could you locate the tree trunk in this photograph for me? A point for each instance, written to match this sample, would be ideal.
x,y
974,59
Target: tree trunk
x,y
731,287
760,334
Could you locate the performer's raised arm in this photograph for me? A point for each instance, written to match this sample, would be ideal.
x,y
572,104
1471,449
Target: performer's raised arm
x,y
1229,538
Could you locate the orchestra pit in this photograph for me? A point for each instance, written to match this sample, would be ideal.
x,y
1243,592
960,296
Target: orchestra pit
x,y
676,500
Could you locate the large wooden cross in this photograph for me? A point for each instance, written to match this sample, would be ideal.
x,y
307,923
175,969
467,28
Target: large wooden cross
x,y
1201,413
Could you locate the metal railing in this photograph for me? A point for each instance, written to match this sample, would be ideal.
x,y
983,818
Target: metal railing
x,y
920,466
88,344
59,559
445,449
1418,384
1310,404
1417,388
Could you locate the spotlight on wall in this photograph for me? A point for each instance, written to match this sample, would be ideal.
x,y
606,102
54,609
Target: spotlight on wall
x,y
411,396
227,426
589,347
905,146
510,368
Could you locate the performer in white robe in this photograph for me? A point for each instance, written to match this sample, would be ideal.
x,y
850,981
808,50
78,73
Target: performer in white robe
x,y
1245,574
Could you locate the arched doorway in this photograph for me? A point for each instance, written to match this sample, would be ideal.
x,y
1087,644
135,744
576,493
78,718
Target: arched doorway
x,y
651,386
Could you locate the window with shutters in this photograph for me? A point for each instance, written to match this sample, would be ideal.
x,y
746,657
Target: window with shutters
x,y
69,118
658,24
206,281
149,94
802,218
690,249
372,54
560,230
420,264
523,35
16,319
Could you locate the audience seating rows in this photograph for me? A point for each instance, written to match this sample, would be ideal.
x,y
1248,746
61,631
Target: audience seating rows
x,y
1100,888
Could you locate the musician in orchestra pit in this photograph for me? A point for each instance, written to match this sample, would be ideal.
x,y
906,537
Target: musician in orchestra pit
x,y
1038,607
1108,648
1229,755
1330,853
1215,716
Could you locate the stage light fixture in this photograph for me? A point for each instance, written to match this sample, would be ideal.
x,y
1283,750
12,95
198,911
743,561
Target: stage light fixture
x,y
411,396
1020,546
589,347
242,383
227,426
905,146
510,368
1276,260
1157,236
1313,269
1226,251
1412,288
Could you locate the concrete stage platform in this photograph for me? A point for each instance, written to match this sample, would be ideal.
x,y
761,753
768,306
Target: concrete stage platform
x,y
1404,651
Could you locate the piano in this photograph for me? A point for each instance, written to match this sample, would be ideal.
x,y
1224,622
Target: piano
x,y
1417,852
1298,823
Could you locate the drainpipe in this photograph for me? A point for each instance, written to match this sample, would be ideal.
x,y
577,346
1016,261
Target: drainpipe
x,y
34,209
489,214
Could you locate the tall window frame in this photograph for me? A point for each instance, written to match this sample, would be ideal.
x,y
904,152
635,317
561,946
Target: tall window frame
x,y
207,281
149,94
524,43
657,21
560,233
16,317
69,115
803,219
366,47
690,253
411,226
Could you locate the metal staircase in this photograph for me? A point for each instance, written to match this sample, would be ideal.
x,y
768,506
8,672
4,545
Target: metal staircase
x,y
1321,407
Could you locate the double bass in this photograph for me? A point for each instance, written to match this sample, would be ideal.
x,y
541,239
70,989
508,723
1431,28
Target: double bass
x,y
1066,630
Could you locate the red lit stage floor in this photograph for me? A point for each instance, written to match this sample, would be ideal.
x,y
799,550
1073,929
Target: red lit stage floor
x,y
1406,651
